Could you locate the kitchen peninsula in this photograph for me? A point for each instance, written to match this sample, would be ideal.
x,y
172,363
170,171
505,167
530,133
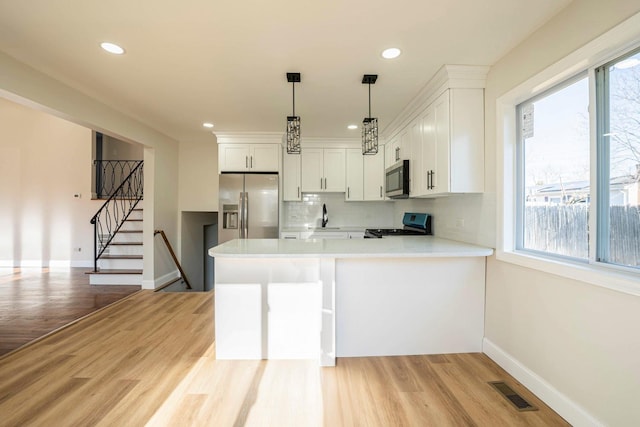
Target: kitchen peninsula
x,y
281,299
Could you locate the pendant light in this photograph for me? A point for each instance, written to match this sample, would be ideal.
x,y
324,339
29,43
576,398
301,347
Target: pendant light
x,y
369,124
293,121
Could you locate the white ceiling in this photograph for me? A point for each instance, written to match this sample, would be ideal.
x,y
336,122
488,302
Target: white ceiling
x,y
192,61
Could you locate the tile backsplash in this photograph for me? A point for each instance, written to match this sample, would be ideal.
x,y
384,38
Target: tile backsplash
x,y
308,212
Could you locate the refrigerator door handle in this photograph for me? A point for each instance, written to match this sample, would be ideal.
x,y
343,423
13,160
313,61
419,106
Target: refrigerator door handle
x,y
246,215
241,227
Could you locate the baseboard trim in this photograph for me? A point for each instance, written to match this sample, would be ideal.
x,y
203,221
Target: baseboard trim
x,y
38,263
568,409
159,281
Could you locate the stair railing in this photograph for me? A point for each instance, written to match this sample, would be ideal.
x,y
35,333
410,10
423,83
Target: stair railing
x,y
115,211
110,174
173,255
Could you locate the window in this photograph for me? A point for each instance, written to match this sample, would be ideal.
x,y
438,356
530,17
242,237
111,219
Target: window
x,y
618,131
554,167
553,178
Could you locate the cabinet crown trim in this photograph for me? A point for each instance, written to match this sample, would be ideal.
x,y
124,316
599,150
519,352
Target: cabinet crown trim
x,y
447,77
249,137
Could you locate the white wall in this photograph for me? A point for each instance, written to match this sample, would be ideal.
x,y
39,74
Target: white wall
x,y
32,88
44,162
199,174
578,343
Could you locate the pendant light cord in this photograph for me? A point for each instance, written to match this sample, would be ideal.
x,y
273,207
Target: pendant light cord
x,y
369,100
294,98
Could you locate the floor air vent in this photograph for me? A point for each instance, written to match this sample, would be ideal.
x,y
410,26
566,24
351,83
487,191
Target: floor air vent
x,y
513,397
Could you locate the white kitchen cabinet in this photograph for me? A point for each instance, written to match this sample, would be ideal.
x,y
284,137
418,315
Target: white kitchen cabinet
x,y
452,155
289,234
291,177
248,157
324,234
392,151
373,171
323,169
354,175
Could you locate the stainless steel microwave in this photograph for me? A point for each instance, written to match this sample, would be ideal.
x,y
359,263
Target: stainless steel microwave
x,y
397,180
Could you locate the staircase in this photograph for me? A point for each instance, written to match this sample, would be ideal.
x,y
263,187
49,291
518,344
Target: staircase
x,y
121,262
117,233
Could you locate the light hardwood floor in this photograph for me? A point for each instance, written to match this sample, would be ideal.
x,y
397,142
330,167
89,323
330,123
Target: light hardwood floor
x,y
150,360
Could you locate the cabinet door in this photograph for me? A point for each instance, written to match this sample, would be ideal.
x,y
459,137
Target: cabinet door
x,y
264,158
312,170
291,171
374,176
416,180
354,179
440,176
291,235
392,151
428,154
334,169
233,157
466,146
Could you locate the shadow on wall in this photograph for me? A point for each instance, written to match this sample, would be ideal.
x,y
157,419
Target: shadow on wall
x,y
199,233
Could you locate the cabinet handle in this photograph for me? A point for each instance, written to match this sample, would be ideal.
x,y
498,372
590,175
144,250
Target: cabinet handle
x,y
325,183
321,183
251,162
381,191
246,162
397,153
348,192
298,192
432,175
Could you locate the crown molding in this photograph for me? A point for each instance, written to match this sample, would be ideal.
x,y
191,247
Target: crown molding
x,y
447,77
249,137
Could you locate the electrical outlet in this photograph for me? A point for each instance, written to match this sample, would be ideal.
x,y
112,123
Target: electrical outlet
x,y
78,249
77,196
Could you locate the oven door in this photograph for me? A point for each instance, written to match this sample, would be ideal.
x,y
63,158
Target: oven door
x,y
397,180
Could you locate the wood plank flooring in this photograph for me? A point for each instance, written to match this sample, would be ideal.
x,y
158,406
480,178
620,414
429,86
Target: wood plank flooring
x,y
34,302
150,360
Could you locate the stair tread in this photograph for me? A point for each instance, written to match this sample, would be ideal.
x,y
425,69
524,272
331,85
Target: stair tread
x,y
121,257
125,244
115,271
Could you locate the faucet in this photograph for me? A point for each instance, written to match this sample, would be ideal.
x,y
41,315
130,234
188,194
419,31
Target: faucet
x,y
325,217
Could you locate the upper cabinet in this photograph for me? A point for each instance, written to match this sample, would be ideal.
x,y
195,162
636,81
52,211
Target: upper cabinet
x,y
355,172
323,169
374,176
291,177
452,145
248,157
445,140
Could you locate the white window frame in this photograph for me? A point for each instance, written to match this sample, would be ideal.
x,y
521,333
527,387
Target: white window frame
x,y
616,42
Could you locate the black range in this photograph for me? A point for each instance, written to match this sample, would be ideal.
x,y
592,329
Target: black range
x,y
415,224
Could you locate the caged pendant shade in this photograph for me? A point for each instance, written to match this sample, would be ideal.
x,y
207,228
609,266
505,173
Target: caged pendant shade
x,y
369,124
293,121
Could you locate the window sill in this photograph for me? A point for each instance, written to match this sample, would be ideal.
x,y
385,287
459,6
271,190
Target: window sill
x,y
594,274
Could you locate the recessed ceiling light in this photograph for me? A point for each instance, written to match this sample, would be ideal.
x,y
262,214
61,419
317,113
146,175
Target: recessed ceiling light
x,y
208,125
112,48
352,127
392,52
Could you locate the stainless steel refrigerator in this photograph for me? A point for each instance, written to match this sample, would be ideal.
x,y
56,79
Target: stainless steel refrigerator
x,y
249,206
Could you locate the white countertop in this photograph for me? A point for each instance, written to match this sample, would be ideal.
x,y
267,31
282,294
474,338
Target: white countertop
x,y
390,247
345,228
